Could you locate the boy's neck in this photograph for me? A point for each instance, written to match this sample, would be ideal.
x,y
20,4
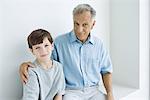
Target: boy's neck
x,y
45,64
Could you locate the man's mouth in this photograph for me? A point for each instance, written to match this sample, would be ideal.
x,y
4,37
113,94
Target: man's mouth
x,y
44,55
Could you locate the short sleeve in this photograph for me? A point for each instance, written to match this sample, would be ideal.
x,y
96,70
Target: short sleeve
x,y
106,64
31,88
61,90
59,80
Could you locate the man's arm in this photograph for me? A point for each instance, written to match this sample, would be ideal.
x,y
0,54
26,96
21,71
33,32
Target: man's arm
x,y
23,70
58,97
107,80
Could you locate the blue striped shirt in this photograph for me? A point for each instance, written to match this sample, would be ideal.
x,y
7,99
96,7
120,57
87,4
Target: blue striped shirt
x,y
82,62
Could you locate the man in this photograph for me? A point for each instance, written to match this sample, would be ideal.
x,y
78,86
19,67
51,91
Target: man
x,y
83,57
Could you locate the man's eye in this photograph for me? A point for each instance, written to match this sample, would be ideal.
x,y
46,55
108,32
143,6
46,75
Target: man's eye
x,y
85,24
76,24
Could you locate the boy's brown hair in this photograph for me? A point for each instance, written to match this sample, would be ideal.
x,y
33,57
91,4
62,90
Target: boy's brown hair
x,y
37,37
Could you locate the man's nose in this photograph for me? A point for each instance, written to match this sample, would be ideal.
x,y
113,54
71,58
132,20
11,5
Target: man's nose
x,y
80,29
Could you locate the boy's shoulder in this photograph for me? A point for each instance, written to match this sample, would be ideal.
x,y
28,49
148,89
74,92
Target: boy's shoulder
x,y
34,68
57,64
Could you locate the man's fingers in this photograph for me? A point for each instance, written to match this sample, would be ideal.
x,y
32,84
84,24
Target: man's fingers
x,y
24,71
25,74
24,79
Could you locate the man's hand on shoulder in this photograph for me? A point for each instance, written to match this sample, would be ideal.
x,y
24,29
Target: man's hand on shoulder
x,y
23,70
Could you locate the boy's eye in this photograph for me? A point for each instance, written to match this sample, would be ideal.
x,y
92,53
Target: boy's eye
x,y
46,45
37,47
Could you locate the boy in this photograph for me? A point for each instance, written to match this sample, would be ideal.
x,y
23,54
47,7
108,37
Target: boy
x,y
46,80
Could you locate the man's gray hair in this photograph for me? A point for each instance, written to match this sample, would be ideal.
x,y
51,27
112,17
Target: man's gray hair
x,y
79,9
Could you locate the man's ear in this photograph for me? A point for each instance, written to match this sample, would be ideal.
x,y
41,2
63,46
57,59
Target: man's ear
x,y
93,24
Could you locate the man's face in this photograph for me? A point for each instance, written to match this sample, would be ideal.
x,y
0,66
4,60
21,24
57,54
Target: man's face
x,y
83,23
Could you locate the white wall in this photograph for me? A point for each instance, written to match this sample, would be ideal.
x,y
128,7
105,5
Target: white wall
x,y
20,17
129,45
0,45
143,92
124,41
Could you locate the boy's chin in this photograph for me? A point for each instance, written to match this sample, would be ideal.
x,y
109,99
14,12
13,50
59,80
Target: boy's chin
x,y
44,59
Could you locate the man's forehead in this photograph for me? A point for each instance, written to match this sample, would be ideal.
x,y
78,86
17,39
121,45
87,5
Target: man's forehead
x,y
78,20
86,13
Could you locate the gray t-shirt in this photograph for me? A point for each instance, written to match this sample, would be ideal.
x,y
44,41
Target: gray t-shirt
x,y
44,84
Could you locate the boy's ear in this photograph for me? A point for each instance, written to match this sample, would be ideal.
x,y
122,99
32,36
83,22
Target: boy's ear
x,y
31,50
53,46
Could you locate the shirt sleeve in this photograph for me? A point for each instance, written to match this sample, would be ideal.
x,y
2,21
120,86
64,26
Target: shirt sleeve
x,y
106,65
59,81
61,90
31,88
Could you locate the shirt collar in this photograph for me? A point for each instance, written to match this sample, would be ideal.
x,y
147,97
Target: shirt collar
x,y
73,38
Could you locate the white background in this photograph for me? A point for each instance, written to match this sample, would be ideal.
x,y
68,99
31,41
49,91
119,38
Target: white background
x,y
121,24
20,17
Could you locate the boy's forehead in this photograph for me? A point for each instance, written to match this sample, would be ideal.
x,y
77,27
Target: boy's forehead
x,y
45,40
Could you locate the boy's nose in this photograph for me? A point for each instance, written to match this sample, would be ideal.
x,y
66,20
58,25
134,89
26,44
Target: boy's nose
x,y
43,49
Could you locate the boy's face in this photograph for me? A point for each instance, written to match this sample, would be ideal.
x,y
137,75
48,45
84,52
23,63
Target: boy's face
x,y
42,51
